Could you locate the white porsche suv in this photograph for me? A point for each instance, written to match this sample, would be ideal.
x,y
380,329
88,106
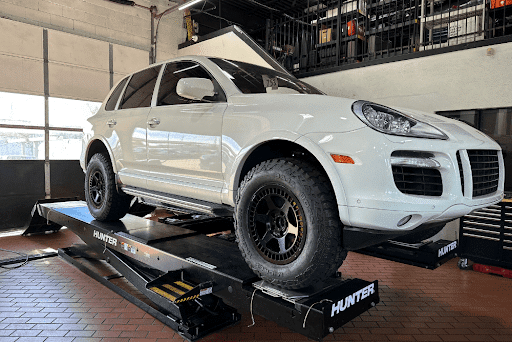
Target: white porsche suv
x,y
308,176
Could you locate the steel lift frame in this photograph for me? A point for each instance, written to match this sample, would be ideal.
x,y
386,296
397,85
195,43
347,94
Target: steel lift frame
x,y
196,282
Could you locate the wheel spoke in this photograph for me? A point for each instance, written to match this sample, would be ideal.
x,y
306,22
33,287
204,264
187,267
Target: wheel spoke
x,y
97,197
270,203
266,238
282,246
286,207
261,218
293,229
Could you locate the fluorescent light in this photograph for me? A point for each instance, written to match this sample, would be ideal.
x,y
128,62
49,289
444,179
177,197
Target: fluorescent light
x,y
188,4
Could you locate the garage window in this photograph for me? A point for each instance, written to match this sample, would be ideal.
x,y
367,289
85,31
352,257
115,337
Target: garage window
x,y
22,128
68,120
139,91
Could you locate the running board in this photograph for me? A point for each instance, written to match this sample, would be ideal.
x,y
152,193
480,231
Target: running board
x,y
180,202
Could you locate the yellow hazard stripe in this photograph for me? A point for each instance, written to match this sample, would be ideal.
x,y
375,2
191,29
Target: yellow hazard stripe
x,y
174,289
163,293
182,284
186,299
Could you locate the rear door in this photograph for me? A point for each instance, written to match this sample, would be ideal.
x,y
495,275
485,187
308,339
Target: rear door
x,y
184,143
129,126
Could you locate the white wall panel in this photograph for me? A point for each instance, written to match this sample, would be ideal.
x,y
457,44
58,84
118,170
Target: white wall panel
x,y
21,39
466,79
21,75
128,60
72,49
74,82
21,57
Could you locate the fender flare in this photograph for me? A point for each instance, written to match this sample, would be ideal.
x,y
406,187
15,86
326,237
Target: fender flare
x,y
323,158
107,147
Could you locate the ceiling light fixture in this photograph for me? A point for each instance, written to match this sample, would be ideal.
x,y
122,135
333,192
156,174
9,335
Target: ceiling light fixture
x,y
188,4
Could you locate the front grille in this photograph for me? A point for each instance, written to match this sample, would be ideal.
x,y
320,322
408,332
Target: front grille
x,y
486,171
461,173
418,181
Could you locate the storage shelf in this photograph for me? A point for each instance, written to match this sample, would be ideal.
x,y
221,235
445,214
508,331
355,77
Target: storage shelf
x,y
394,4
345,39
344,17
408,23
454,15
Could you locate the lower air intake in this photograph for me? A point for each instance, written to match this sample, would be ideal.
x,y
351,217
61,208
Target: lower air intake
x,y
418,181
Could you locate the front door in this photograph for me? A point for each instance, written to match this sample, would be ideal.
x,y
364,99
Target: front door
x,y
184,138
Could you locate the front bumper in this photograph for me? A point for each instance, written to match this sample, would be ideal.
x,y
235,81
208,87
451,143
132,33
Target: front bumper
x,y
357,238
371,198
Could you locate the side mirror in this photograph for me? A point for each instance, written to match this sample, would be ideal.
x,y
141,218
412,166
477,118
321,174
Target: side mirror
x,y
195,88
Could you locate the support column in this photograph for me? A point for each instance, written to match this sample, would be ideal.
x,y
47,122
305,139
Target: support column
x,y
47,187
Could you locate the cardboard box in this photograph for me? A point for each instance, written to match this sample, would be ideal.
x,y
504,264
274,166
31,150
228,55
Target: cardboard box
x,y
325,35
466,30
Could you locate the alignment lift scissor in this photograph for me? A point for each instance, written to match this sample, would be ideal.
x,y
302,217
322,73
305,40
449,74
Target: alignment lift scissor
x,y
196,281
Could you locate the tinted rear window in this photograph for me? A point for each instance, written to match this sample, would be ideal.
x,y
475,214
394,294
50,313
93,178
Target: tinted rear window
x,y
112,101
140,89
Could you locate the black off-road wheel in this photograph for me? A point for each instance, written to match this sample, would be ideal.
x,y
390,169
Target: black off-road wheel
x,y
104,201
287,224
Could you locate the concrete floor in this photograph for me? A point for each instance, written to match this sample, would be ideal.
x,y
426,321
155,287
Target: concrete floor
x,y
50,300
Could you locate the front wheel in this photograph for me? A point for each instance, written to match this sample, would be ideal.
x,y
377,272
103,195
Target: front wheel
x,y
287,224
103,200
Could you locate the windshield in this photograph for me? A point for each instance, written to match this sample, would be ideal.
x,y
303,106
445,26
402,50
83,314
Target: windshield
x,y
254,79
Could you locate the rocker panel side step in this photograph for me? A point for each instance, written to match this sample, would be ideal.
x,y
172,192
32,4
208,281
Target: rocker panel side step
x,y
180,201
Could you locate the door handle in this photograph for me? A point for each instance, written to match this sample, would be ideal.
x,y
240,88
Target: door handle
x,y
111,123
153,122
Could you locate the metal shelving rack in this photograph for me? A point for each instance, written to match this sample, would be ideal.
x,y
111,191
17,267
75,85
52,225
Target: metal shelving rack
x,y
442,20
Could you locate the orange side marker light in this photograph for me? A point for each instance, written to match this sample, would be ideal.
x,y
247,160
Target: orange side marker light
x,y
338,158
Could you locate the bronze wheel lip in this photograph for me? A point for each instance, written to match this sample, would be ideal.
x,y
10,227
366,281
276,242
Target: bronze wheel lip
x,y
285,246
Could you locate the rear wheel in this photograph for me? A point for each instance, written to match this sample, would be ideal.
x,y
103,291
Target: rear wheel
x,y
104,201
287,224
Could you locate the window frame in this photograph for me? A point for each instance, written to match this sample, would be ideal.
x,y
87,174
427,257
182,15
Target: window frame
x,y
223,97
154,88
127,78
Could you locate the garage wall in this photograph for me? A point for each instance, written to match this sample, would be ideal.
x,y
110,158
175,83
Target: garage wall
x,y
90,44
101,20
465,79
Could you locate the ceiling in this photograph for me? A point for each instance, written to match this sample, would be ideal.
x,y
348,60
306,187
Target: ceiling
x,y
263,8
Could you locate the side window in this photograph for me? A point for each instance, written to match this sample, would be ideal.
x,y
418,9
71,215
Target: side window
x,y
140,89
112,101
173,73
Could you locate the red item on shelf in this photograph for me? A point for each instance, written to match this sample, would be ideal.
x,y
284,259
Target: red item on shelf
x,y
351,25
500,3
493,269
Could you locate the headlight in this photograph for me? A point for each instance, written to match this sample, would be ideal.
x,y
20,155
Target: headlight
x,y
390,121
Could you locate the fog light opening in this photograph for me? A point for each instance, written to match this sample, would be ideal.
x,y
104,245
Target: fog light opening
x,y
404,221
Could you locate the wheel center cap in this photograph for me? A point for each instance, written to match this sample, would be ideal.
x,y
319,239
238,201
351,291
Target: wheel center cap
x,y
281,223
